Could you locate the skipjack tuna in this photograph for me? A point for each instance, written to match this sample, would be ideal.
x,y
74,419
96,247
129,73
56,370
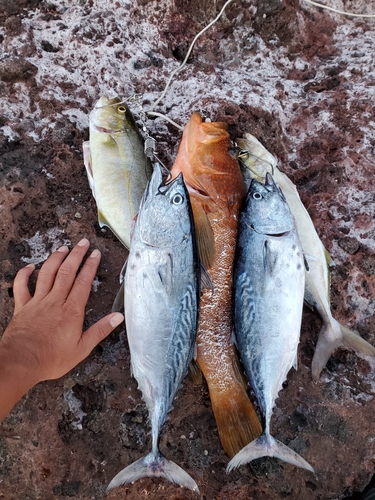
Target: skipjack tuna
x,y
161,312
332,335
269,280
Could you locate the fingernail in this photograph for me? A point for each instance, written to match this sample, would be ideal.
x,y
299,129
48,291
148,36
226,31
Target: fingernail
x,y
116,319
84,242
95,253
64,248
30,265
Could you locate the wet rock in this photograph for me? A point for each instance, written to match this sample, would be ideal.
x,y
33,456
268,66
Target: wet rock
x,y
6,460
349,244
15,69
367,264
298,78
67,489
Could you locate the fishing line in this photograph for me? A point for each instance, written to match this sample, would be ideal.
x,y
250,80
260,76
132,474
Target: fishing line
x,y
155,113
180,68
244,154
338,11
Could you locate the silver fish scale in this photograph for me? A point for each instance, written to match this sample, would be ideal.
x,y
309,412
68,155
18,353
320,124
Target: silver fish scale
x,y
186,322
269,288
161,296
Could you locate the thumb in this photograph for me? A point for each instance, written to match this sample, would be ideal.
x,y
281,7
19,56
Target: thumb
x,y
99,331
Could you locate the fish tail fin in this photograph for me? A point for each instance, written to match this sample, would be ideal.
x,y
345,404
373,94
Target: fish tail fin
x,y
333,336
236,419
154,465
354,341
267,446
327,343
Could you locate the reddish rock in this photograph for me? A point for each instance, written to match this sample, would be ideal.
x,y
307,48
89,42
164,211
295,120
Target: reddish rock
x,y
301,80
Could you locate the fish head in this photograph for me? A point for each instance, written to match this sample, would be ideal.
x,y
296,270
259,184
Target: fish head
x,y
267,211
206,159
111,116
165,217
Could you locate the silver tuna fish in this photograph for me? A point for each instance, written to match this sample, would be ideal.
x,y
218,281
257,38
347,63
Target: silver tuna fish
x,y
161,311
269,279
317,289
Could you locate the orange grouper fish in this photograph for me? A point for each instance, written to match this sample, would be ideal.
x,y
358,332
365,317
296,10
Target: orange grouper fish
x,y
216,187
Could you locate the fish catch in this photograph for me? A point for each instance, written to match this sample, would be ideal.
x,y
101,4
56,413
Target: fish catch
x,y
317,290
213,178
117,167
269,282
161,313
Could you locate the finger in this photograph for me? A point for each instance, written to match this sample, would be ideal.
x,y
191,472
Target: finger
x,y
48,271
68,271
99,331
20,287
81,289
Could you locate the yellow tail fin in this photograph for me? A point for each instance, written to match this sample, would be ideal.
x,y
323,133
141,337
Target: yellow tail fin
x,y
236,419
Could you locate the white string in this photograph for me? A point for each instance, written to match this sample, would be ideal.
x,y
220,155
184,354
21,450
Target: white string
x,y
155,113
338,11
177,70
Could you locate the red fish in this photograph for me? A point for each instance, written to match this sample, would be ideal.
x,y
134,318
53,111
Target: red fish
x,y
217,189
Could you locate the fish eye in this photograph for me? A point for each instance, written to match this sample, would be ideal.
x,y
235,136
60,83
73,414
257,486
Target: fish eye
x,y
257,196
233,153
121,109
177,199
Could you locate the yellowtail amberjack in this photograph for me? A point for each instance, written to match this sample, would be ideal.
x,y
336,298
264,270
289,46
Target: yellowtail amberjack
x,y
117,166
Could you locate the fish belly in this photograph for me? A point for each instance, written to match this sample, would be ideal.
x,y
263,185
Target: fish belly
x,y
161,326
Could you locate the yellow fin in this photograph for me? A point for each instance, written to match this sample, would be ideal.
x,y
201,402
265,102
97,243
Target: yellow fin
x,y
328,257
195,373
236,419
204,234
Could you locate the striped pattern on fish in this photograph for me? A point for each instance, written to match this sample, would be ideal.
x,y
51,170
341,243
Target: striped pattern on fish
x,y
269,280
161,313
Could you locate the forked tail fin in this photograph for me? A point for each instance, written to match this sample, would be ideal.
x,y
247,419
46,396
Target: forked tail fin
x,y
267,446
154,465
332,336
352,340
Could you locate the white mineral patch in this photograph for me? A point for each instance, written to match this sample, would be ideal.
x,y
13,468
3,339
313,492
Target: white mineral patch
x,y
75,406
95,284
39,242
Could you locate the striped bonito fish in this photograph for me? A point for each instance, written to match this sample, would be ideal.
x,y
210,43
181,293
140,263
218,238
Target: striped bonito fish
x,y
161,311
269,280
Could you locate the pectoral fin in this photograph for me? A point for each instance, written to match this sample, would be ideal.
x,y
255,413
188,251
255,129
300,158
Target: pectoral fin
x,y
88,166
118,303
206,282
204,234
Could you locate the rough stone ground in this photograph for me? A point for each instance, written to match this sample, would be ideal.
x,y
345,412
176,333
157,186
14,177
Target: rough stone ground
x,y
300,79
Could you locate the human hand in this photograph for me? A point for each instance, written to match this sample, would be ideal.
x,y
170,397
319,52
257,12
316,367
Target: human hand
x,y
44,339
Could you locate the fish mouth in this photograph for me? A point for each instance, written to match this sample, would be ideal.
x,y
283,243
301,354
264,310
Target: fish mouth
x,y
106,130
271,235
278,235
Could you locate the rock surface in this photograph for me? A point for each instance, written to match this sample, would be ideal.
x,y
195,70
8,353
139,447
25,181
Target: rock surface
x,y
302,81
